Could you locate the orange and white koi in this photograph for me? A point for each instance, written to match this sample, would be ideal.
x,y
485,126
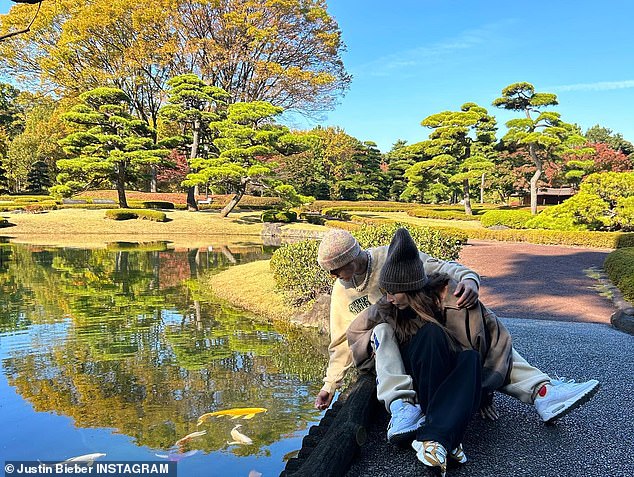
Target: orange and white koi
x,y
238,437
243,412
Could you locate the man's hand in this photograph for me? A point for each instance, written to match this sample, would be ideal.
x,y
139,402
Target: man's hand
x,y
467,293
323,400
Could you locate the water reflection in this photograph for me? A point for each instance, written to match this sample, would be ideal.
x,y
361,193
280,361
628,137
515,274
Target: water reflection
x,y
128,338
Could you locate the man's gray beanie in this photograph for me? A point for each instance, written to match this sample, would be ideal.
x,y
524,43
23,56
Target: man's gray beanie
x,y
403,270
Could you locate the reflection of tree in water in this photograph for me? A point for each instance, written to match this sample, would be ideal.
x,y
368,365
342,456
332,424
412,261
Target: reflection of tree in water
x,y
140,358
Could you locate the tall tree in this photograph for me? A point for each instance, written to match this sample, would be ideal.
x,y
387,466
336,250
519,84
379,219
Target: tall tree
x,y
38,141
462,142
546,132
78,45
194,106
284,52
110,146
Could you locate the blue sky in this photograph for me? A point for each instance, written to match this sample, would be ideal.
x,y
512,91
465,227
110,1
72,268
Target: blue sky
x,y
413,58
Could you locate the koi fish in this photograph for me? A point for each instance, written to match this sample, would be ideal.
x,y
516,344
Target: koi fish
x,y
238,437
88,459
243,412
176,456
255,473
182,440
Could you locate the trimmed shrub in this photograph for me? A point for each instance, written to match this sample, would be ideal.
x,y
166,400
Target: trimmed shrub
x,y
312,218
286,216
297,274
335,213
151,204
514,219
619,265
595,207
444,214
35,207
120,214
125,214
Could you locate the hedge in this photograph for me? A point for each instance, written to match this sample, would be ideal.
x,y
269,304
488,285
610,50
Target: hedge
x,y
151,204
429,213
286,216
546,237
296,273
514,219
619,266
125,214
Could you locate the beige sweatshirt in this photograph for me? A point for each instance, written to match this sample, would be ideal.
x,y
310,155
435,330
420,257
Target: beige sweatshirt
x,y
346,303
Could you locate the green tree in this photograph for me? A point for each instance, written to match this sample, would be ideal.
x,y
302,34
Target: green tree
x,y
194,106
110,145
38,141
247,137
38,180
462,142
599,134
546,132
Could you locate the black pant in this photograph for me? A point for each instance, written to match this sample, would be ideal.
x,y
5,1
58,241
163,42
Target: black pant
x,y
447,382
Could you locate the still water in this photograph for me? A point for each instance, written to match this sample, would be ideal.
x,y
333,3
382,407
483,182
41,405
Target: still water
x,y
120,350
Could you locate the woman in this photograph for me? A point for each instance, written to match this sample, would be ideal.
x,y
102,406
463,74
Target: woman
x,y
456,357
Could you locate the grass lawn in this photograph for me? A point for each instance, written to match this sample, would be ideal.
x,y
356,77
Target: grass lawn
x,y
251,286
83,227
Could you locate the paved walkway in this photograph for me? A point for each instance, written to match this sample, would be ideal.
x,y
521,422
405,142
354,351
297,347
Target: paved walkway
x,y
523,280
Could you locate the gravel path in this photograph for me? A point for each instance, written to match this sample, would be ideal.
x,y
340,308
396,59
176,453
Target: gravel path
x,y
523,280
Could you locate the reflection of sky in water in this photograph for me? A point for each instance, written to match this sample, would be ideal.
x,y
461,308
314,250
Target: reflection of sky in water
x,y
34,339
128,377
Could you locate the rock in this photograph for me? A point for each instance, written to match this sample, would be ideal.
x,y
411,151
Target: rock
x,y
623,320
318,316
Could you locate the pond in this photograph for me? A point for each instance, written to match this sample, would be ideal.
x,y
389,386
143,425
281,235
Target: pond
x,y
120,350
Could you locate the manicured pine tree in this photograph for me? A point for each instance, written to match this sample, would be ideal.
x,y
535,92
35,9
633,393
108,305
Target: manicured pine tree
x,y
110,146
194,106
545,133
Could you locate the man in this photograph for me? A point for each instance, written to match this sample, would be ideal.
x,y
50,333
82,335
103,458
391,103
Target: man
x,y
356,288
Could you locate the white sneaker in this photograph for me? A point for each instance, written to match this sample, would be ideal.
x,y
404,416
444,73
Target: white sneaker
x,y
432,454
406,419
562,396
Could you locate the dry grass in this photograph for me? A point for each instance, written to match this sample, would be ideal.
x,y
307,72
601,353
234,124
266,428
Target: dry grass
x,y
251,286
82,227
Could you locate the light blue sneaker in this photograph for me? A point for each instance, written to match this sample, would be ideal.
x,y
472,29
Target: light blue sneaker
x,y
406,419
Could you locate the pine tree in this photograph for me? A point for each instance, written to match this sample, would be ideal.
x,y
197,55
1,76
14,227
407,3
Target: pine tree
x,y
38,179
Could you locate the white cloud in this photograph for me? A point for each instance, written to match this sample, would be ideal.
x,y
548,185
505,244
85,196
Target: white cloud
x,y
466,41
598,86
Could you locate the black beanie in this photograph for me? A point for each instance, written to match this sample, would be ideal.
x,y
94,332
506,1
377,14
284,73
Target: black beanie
x,y
403,270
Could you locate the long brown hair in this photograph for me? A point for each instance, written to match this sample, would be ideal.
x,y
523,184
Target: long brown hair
x,y
426,302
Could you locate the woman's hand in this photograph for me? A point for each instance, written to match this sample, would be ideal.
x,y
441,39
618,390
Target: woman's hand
x,y
467,293
323,400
